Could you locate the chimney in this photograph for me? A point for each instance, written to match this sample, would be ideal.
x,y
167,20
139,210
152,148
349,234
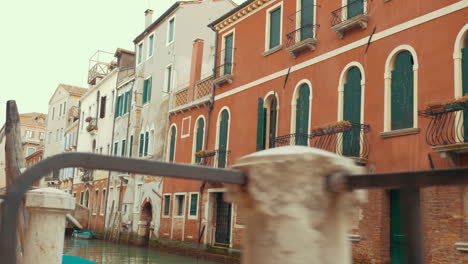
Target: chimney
x,y
196,67
148,17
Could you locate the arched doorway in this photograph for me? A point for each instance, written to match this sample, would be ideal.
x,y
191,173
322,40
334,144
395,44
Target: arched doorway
x,y
146,217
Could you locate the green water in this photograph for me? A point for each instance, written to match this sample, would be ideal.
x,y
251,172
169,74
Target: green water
x,y
105,253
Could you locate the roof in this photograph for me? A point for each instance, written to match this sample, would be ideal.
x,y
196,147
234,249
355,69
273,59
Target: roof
x,y
120,50
32,119
156,22
75,90
230,13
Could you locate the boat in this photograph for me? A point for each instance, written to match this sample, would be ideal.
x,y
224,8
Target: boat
x,y
83,234
67,259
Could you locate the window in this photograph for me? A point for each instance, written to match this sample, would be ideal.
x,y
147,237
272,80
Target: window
x,y
74,194
199,136
103,201
81,198
168,79
172,143
102,112
170,33
147,86
29,134
96,202
53,113
151,147
118,106
150,45
402,110
124,146
41,135
167,204
301,106
140,53
354,8
60,112
266,122
130,151
193,210
228,54
86,200
64,108
306,18
31,151
116,148
61,134
141,145
274,28
146,142
179,204
127,102
223,124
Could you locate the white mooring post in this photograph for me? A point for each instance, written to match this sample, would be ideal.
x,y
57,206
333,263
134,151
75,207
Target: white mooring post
x,y
290,216
47,208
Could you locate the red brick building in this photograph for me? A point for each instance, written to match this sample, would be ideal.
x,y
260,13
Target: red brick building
x,y
345,76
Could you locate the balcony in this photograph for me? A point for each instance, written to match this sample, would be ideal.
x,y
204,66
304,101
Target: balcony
x,y
183,101
224,73
350,16
100,64
343,138
214,158
86,176
300,40
92,125
447,131
181,97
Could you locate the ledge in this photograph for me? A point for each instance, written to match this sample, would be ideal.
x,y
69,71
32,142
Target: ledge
x,y
272,50
456,148
400,132
223,79
356,21
194,104
462,246
295,49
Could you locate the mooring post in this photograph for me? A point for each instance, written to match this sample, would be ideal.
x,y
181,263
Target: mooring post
x,y
289,214
46,228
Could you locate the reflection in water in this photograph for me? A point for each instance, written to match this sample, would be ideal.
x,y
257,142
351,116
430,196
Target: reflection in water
x,y
106,253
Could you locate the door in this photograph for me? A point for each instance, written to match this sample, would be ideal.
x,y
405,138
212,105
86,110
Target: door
x,y
307,19
397,238
465,86
302,115
223,139
223,220
355,7
352,112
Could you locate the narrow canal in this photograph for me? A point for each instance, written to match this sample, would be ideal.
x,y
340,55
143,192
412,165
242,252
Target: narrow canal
x,y
106,253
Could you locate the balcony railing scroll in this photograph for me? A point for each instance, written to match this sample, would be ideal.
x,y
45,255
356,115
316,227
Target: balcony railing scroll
x,y
212,158
448,123
353,9
343,138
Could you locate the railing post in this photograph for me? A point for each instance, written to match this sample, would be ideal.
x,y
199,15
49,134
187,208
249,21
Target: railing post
x,y
290,217
46,228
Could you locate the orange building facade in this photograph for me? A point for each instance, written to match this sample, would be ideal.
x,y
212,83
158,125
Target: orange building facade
x,y
362,81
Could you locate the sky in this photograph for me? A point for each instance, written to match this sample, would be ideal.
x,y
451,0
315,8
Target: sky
x,y
44,43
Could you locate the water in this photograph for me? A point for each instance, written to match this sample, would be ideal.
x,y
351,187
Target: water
x,y
106,253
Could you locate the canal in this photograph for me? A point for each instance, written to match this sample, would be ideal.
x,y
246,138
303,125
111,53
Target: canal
x,y
106,253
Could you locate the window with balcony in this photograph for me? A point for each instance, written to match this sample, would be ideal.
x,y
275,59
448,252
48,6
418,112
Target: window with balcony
x,y
302,106
147,87
301,29
351,15
224,71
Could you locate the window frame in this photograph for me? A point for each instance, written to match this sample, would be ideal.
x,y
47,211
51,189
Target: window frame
x,y
168,34
195,135
223,51
168,215
190,205
139,49
189,118
150,46
176,207
268,27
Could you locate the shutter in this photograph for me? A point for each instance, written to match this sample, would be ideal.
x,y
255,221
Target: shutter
x,y
172,144
117,107
302,116
352,112
275,28
140,151
465,87
193,204
103,107
124,146
223,138
199,139
355,7
402,92
228,46
260,125
145,91
273,122
130,152
146,142
125,107
149,88
307,19
116,148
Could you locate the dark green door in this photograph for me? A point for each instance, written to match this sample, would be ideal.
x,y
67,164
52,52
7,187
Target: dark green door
x,y
302,115
199,139
397,238
223,220
307,19
352,112
228,46
172,144
465,86
355,7
223,139
402,92
261,125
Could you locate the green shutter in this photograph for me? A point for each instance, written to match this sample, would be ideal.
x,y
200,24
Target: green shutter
x,y
354,8
261,120
307,19
124,146
302,115
149,88
117,107
465,87
146,142
352,112
199,139
193,204
169,78
402,92
228,48
140,150
275,28
145,91
130,151
172,144
223,139
126,101
272,128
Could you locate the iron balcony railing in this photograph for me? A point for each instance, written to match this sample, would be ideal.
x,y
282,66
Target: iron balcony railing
x,y
355,8
448,123
300,34
343,138
215,158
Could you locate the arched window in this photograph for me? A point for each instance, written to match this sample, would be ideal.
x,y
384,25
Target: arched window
x,y
352,111
302,115
402,99
172,142
267,121
199,137
223,134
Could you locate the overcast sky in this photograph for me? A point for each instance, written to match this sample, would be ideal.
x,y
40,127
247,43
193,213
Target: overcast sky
x,y
44,43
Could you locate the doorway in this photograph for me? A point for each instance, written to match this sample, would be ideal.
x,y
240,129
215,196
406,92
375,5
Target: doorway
x,y
146,218
223,221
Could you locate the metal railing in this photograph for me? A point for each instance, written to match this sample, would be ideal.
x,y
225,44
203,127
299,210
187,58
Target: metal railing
x,y
348,139
447,124
300,34
203,87
355,8
224,69
215,158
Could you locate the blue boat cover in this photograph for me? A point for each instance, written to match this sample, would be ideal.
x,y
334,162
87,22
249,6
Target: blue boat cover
x,y
67,259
